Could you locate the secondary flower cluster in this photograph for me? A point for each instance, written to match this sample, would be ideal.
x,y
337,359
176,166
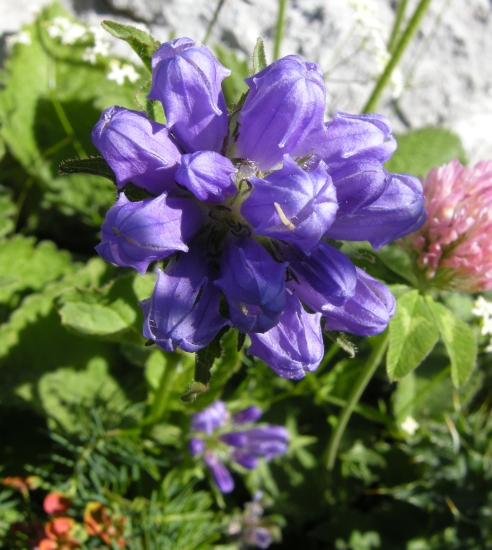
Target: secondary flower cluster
x,y
454,246
225,437
245,208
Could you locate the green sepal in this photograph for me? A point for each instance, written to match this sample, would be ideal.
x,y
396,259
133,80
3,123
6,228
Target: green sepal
x,y
142,43
95,166
341,340
259,57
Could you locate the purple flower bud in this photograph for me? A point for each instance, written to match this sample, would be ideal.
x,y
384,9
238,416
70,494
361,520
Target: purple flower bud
x,y
249,414
285,103
294,345
253,284
367,313
137,149
268,441
358,183
292,205
351,137
135,234
183,311
196,446
246,460
259,537
208,175
212,417
396,213
220,473
186,79
326,271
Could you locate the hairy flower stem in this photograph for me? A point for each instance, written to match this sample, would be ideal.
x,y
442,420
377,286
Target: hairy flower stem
x,y
279,30
358,388
397,53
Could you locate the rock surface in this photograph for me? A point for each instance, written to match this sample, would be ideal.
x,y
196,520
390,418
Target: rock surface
x,y
445,77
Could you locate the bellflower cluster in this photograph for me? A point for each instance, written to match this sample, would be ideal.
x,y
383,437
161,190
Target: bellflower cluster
x,y
225,437
244,208
454,246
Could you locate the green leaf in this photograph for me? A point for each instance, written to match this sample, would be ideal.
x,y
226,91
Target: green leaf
x,y
96,166
259,57
110,312
421,150
7,212
459,340
143,44
413,334
27,267
234,85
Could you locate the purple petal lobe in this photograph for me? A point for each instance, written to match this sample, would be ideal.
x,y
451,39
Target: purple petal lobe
x,y
286,102
326,271
183,311
358,183
292,204
294,345
253,285
351,137
246,460
220,473
249,414
268,441
396,213
186,79
367,313
234,439
196,446
137,149
212,417
135,234
208,175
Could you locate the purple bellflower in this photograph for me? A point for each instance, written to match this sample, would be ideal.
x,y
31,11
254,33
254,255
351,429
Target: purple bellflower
x,y
222,437
247,214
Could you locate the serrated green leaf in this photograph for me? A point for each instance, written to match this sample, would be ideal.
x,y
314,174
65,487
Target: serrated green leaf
x,y
96,166
259,57
27,267
413,334
459,340
421,150
142,43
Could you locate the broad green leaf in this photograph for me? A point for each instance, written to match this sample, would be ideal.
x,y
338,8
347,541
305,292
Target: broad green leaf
x,y
110,312
234,85
27,267
259,57
459,340
413,334
143,44
421,150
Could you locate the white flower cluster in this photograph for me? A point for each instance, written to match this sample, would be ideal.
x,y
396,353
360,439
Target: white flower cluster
x,y
22,37
69,33
120,71
373,34
483,308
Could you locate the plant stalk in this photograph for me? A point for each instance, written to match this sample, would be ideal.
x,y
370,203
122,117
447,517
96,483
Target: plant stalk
x,y
279,30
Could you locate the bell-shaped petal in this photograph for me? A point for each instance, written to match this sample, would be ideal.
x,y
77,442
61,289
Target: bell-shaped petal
x,y
183,311
292,204
285,103
253,284
326,271
186,79
358,183
294,345
396,213
245,459
351,137
135,234
367,313
220,473
267,441
196,446
137,149
212,417
249,414
208,175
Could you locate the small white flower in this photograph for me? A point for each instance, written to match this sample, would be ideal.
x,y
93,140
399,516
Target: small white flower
x,y
101,46
120,71
22,37
410,425
66,31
